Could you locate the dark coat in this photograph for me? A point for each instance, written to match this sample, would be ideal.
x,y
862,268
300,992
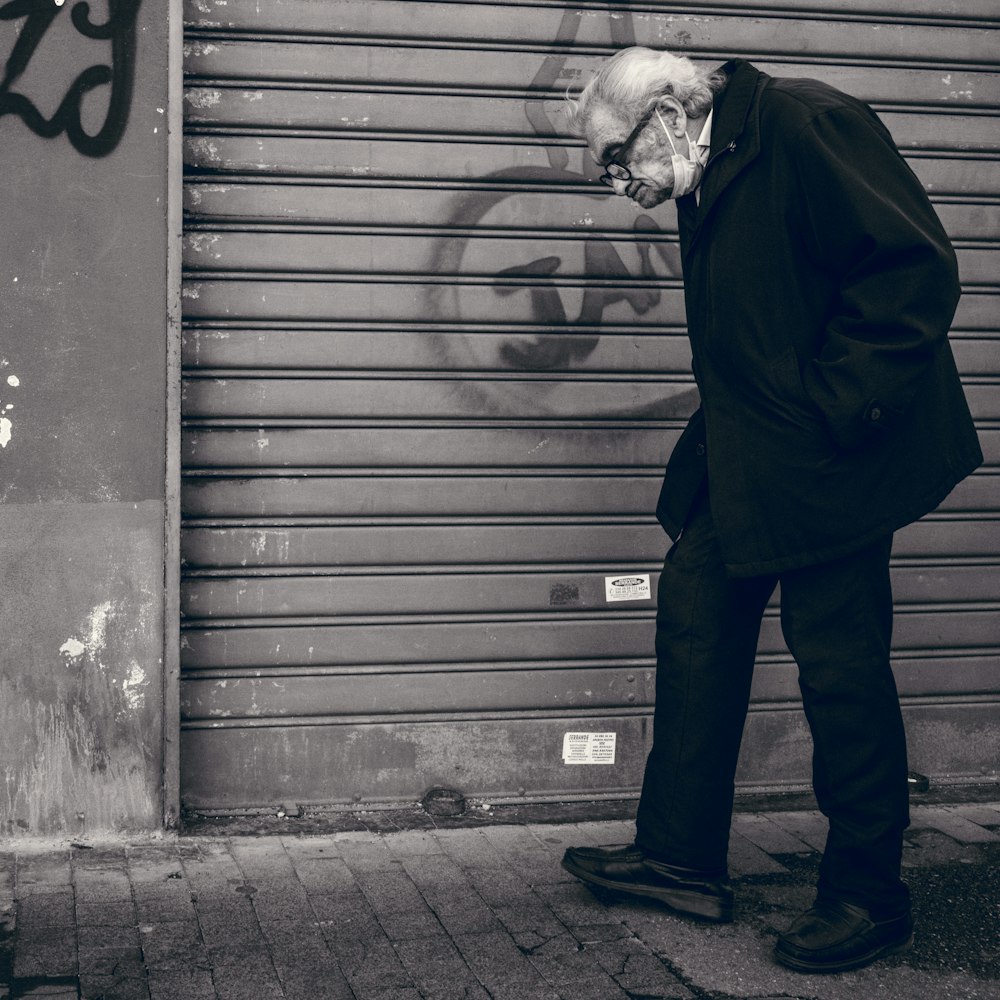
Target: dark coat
x,y
819,287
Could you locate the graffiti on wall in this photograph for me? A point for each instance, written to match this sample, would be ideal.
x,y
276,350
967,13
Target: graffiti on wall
x,y
36,18
6,427
560,322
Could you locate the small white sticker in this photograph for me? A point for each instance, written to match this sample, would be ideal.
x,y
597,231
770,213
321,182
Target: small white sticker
x,y
627,588
589,748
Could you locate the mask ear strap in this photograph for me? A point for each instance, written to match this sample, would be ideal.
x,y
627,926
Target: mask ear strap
x,y
670,138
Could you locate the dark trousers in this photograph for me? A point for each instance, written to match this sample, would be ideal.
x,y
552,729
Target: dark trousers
x,y
837,621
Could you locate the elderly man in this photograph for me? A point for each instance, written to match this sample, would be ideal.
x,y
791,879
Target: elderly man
x,y
819,288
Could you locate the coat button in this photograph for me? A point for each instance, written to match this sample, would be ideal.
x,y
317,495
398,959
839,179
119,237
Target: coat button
x,y
700,449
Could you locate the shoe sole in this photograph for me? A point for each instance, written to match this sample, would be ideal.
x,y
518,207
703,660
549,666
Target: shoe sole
x,y
884,951
689,903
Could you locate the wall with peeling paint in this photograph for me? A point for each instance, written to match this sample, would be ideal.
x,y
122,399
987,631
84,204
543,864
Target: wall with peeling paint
x,y
82,423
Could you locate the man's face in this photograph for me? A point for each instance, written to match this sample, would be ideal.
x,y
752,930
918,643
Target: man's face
x,y
647,160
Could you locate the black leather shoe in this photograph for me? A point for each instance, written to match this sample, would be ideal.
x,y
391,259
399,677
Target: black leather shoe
x,y
834,936
703,895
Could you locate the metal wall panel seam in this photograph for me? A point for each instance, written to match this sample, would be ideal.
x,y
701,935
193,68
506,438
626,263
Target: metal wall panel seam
x,y
957,9
765,661
570,713
170,689
537,616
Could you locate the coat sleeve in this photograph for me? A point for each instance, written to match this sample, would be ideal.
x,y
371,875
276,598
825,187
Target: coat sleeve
x,y
866,221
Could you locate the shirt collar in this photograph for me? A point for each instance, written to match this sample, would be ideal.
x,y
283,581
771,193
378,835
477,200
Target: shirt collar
x,y
704,140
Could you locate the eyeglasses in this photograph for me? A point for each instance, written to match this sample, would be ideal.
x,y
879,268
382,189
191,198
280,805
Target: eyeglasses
x,y
614,169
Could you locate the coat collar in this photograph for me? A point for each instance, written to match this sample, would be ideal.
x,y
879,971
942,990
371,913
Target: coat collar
x,y
735,139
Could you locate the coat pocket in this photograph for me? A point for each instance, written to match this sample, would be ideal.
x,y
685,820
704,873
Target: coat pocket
x,y
787,387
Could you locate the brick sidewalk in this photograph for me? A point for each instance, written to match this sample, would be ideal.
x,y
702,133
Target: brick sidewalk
x,y
466,914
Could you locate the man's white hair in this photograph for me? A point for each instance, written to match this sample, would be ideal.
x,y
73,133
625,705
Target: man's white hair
x,y
633,77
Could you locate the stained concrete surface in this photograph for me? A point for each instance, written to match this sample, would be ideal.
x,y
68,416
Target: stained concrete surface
x,y
478,913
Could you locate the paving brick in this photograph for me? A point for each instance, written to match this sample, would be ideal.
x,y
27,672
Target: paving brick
x,y
102,857
102,886
761,830
526,991
49,868
445,991
345,916
114,988
213,850
395,993
640,973
110,951
521,911
181,984
497,887
543,870
603,834
576,905
561,959
55,988
748,859
153,864
262,858
600,988
529,931
932,847
436,966
808,826
402,921
322,981
8,863
212,869
449,893
310,848
112,962
26,889
249,978
370,964
324,876
985,814
173,945
365,852
496,960
516,844
105,915
780,905
402,925
279,899
48,909
607,933
218,892
291,944
554,838
49,951
170,901
470,848
166,850
952,824
229,922
412,843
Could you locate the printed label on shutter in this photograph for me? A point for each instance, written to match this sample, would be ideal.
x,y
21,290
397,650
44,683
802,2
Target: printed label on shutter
x,y
627,588
589,748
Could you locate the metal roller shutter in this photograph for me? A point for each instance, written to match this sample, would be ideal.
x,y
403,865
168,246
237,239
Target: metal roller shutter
x,y
432,373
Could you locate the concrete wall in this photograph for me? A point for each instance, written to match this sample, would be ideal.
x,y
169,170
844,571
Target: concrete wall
x,y
83,344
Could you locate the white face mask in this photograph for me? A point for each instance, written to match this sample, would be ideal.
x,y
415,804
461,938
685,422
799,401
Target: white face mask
x,y
687,172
